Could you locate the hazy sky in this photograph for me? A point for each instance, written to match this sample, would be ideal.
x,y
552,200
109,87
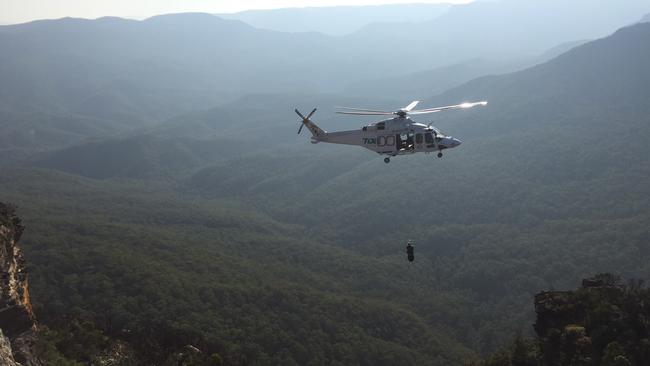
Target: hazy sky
x,y
18,11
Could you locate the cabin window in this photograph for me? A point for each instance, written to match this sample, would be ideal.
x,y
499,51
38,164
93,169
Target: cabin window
x,y
405,141
418,138
428,137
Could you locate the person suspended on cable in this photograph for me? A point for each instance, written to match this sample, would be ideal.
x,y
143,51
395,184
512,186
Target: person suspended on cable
x,y
410,252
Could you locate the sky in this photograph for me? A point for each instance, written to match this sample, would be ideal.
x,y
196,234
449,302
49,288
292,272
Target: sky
x,y
20,11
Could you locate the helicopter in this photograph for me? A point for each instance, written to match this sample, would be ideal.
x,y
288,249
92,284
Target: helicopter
x,y
398,135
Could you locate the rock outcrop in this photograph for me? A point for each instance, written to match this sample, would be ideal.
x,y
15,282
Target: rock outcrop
x,y
191,355
601,323
17,321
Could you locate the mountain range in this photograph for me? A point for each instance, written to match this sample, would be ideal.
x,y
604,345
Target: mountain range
x,y
113,73
336,20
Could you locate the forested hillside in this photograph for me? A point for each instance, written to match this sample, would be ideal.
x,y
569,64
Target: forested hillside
x,y
137,262
549,185
222,229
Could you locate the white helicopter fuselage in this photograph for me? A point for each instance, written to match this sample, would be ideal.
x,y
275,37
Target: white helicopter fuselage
x,y
395,136
399,135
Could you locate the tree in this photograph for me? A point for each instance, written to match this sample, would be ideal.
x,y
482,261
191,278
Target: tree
x,y
614,355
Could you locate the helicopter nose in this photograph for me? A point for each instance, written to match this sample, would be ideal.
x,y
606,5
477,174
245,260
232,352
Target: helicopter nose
x,y
455,142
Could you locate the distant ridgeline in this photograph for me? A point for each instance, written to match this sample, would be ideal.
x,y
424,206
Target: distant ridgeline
x,y
604,323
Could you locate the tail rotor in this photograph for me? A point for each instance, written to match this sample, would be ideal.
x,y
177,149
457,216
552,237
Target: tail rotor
x,y
304,119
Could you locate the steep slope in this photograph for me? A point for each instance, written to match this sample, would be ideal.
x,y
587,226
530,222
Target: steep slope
x,y
596,80
17,322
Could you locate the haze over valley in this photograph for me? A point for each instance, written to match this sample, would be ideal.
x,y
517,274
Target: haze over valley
x,y
168,200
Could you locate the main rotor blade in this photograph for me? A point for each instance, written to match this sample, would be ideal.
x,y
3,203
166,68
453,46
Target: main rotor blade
x,y
367,113
363,110
421,112
440,109
410,107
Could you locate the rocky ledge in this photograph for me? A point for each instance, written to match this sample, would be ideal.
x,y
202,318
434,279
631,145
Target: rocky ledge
x,y
605,322
17,322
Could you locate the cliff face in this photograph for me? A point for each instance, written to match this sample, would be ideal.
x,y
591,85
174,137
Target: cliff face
x,y
17,322
601,323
